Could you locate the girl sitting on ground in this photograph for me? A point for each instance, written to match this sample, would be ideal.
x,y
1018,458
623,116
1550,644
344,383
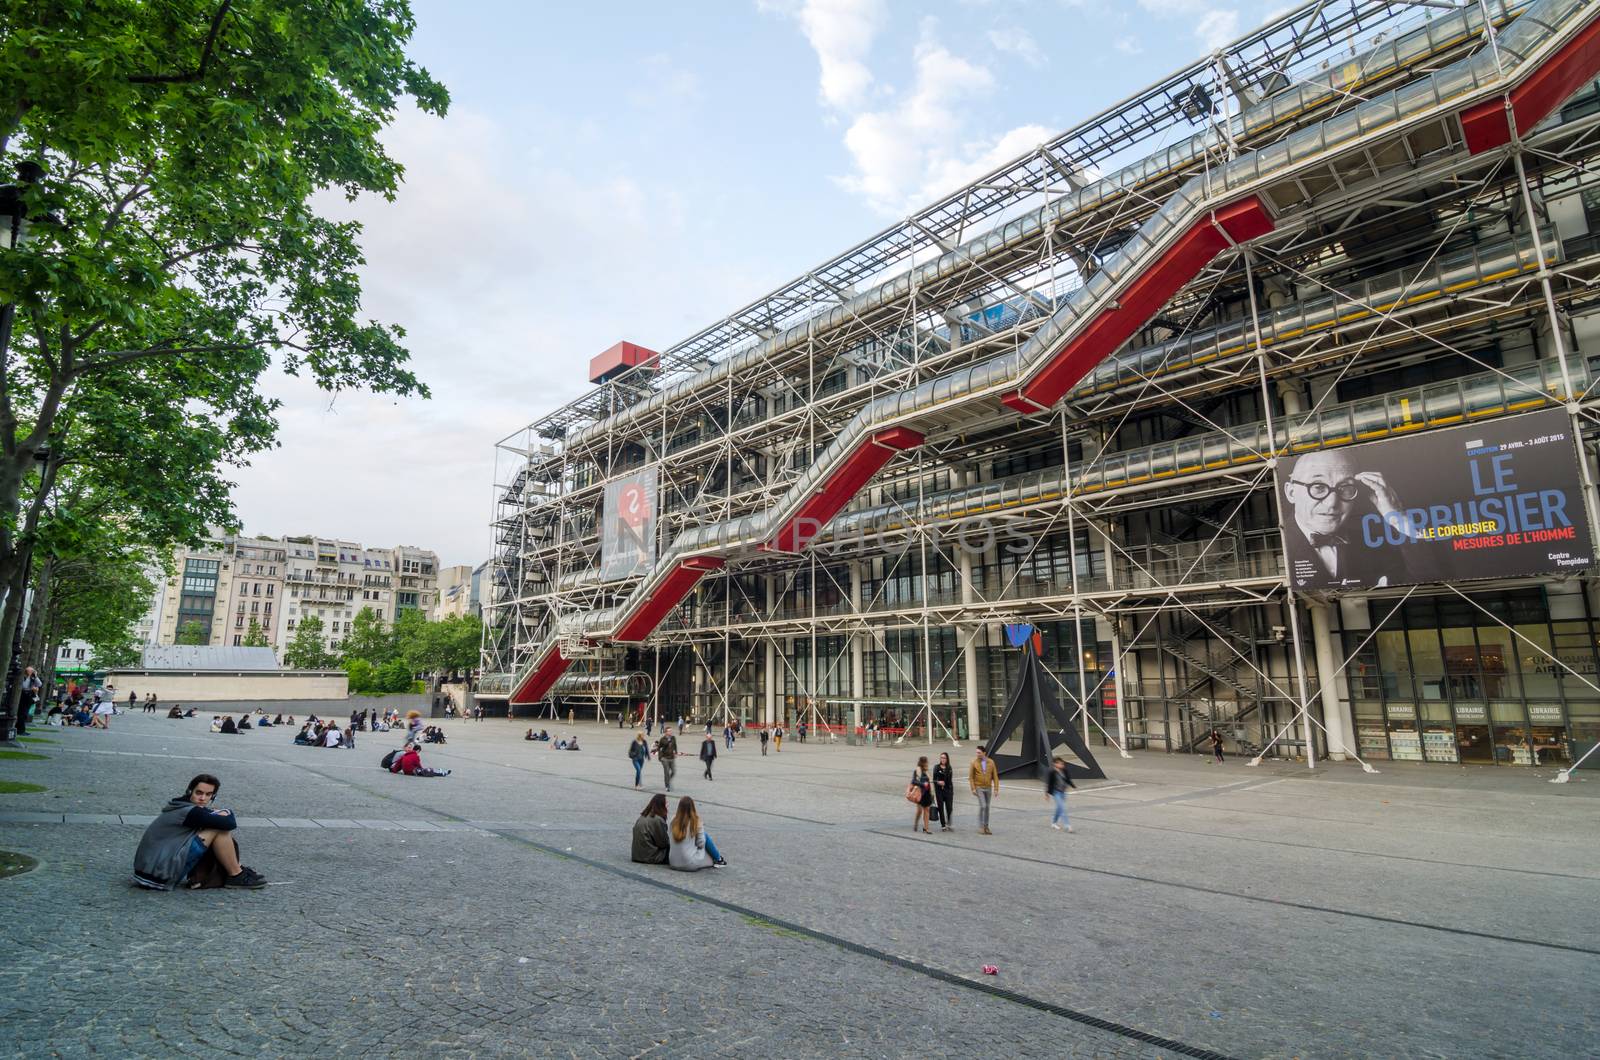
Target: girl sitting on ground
x,y
692,849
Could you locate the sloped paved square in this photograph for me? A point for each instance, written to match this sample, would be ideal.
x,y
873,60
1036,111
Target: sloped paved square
x,y
1196,909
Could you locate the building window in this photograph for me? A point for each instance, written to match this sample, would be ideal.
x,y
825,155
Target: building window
x,y
236,639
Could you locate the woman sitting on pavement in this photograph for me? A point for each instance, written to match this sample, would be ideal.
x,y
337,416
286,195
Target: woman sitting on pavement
x,y
692,849
303,737
228,726
244,723
651,843
175,712
331,738
279,720
410,763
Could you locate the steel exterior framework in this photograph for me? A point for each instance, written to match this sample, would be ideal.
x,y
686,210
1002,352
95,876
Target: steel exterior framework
x,y
1166,338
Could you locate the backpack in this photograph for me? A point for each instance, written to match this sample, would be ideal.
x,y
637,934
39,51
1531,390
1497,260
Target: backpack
x,y
388,760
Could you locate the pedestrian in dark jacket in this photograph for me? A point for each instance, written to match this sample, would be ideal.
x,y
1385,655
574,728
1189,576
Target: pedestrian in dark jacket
x,y
667,752
638,754
186,832
651,843
1216,745
923,788
944,791
1055,787
765,736
708,753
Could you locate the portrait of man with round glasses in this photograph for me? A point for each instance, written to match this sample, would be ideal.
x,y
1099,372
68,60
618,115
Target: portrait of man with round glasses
x,y
1328,494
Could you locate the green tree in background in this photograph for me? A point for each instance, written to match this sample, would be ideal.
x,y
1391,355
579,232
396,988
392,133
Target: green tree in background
x,y
192,632
171,157
254,636
369,638
306,650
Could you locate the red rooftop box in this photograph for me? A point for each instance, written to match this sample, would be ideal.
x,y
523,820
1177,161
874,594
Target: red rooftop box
x,y
619,359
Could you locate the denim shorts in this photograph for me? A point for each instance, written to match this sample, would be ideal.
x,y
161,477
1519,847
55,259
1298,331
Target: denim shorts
x,y
197,850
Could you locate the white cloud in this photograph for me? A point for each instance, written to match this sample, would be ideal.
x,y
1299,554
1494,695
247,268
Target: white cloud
x,y
922,143
1013,40
1217,29
1213,26
1128,45
508,273
841,32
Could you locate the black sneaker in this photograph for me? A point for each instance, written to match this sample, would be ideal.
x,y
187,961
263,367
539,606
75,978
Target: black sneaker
x,y
721,863
247,878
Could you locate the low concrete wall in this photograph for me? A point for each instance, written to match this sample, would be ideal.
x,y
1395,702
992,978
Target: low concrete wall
x,y
217,686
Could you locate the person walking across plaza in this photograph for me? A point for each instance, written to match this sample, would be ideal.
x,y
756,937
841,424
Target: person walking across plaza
x,y
667,752
922,788
708,753
1055,788
765,736
727,736
777,738
944,790
188,831
638,754
1216,745
985,781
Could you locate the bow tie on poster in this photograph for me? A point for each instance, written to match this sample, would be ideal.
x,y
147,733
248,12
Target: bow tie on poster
x,y
1325,540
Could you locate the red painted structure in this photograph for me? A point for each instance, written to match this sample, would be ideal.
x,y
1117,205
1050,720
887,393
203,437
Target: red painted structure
x,y
619,359
1144,297
837,489
541,677
1541,92
673,588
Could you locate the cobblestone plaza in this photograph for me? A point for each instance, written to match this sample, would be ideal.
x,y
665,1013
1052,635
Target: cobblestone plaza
x,y
1197,909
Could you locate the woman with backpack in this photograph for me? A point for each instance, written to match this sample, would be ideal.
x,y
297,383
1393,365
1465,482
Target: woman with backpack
x,y
920,794
638,754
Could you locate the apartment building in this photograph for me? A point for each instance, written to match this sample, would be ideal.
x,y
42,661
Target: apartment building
x,y
234,584
455,592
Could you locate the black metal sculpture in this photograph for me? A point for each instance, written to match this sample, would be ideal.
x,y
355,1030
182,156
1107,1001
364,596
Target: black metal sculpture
x,y
1033,705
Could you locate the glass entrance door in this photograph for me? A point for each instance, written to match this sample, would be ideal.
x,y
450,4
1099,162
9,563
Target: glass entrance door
x,y
1473,744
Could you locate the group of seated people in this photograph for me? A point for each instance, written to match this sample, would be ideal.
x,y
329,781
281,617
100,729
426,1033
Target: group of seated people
x,y
433,734
408,760
177,712
317,733
566,743
683,844
226,723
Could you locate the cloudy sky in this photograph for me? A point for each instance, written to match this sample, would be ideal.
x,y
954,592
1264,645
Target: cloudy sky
x,y
636,171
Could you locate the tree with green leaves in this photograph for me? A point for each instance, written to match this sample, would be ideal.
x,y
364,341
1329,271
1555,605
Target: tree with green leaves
x,y
192,632
97,598
369,638
169,157
254,635
306,650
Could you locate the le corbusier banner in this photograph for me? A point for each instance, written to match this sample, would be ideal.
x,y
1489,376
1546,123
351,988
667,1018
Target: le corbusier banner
x,y
1495,500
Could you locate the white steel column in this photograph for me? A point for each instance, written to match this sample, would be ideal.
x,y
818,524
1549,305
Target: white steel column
x,y
769,709
1335,711
858,650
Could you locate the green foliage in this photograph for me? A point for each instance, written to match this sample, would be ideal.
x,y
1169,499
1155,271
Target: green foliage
x,y
118,656
255,636
394,676
362,675
96,592
192,632
179,253
306,649
449,645
369,639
